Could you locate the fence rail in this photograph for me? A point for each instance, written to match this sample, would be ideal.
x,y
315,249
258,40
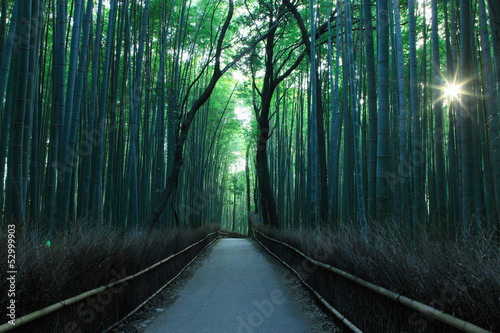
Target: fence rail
x,y
61,326
423,309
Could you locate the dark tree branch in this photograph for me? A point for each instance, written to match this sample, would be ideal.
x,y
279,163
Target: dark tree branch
x,y
181,139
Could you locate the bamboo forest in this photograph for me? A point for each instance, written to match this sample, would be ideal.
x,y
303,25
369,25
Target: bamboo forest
x,y
362,134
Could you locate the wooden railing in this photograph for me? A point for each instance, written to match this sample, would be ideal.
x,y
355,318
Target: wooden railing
x,y
416,316
103,308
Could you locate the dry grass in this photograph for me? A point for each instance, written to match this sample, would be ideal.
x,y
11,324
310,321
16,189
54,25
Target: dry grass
x,y
460,277
79,261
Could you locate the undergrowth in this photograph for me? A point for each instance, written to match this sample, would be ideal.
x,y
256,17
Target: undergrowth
x,y
459,276
78,261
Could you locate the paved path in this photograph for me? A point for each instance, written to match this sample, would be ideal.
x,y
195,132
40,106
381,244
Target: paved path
x,y
235,291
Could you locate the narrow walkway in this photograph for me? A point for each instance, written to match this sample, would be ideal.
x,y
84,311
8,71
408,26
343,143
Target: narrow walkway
x,y
235,291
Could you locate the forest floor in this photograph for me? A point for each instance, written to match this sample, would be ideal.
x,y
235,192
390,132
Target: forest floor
x,y
233,286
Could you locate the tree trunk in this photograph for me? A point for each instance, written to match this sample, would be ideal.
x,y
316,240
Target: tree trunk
x,y
355,124
438,125
5,110
372,110
491,105
467,140
403,155
15,169
383,123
